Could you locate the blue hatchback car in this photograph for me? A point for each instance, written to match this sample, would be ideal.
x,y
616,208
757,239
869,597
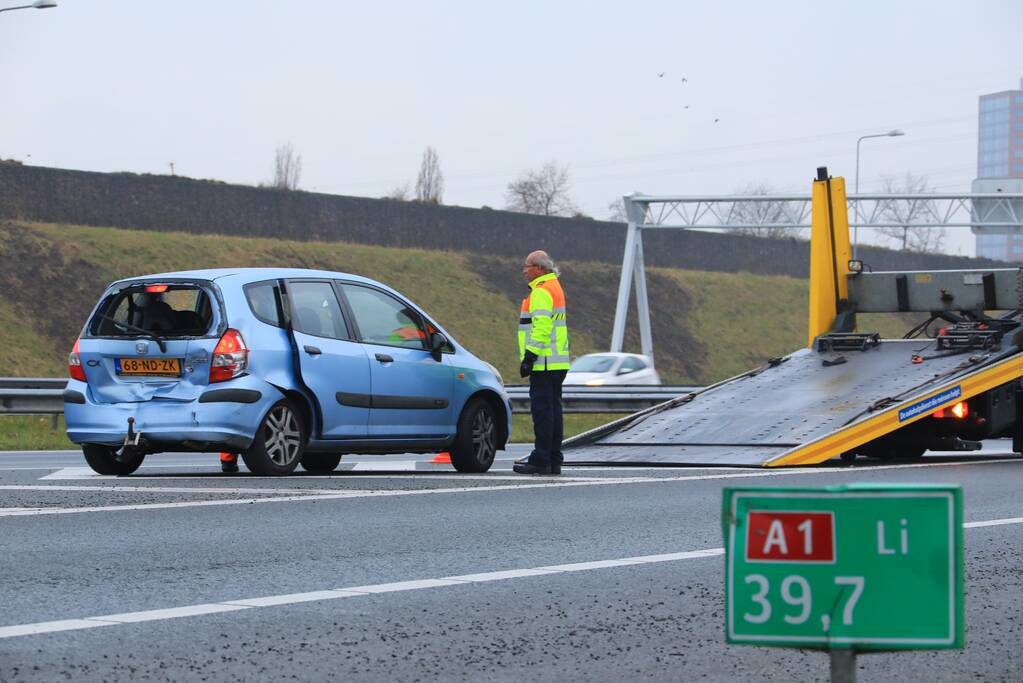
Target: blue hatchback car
x,y
284,366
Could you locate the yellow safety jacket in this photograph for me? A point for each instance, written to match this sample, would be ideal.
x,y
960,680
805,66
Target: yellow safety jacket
x,y
543,325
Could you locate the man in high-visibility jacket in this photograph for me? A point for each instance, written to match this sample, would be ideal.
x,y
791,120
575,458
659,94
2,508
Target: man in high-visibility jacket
x,y
543,350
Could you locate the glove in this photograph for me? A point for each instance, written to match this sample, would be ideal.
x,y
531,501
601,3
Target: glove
x,y
526,367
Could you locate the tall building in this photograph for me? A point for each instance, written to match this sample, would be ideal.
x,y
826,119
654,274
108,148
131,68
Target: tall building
x,y
999,161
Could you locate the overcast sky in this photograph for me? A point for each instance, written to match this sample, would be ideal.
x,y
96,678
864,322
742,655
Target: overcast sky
x,y
360,89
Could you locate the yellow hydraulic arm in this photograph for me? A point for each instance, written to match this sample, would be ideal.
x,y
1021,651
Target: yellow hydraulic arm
x,y
829,254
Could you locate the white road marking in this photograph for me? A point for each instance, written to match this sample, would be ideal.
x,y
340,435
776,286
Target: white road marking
x,y
72,473
401,466
993,522
372,589
161,489
293,598
170,613
335,594
80,473
541,483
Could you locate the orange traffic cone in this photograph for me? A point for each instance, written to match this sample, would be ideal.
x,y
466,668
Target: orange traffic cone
x,y
442,459
228,462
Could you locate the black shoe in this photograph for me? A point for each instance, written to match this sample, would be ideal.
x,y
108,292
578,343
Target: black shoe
x,y
228,467
527,468
555,469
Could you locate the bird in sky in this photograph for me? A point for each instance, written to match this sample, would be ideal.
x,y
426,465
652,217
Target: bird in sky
x,y
687,106
716,120
685,80
660,75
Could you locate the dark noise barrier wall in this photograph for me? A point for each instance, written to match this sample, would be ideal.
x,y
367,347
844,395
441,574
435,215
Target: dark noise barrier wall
x,y
165,203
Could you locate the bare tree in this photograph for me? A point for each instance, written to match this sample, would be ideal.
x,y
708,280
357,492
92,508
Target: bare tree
x,y
430,182
543,191
287,168
616,211
402,192
904,212
757,219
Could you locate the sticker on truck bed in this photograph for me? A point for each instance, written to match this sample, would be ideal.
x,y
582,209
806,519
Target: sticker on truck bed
x,y
929,404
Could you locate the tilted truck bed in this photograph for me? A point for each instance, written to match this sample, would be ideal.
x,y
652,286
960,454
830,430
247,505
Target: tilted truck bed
x,y
800,411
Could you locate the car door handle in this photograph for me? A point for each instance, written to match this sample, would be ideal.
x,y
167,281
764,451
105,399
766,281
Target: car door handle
x,y
312,350
384,358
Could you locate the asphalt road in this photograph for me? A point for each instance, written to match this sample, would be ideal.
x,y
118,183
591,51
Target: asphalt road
x,y
396,569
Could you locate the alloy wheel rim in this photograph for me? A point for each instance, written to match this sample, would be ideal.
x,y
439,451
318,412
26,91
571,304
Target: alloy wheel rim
x,y
283,436
483,436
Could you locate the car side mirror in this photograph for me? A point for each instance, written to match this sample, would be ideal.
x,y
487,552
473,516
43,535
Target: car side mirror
x,y
437,343
625,371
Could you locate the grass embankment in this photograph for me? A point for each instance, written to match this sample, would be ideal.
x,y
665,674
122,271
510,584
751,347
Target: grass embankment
x,y
33,433
706,326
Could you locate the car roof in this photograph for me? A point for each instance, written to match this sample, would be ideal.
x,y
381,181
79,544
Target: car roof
x,y
249,274
616,354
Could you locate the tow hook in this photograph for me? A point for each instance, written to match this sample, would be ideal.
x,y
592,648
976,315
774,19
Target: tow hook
x,y
131,444
133,437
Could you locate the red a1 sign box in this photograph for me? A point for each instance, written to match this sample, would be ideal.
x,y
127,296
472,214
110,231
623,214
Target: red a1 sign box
x,y
790,537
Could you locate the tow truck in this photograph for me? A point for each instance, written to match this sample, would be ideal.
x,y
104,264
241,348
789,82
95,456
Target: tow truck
x,y
950,382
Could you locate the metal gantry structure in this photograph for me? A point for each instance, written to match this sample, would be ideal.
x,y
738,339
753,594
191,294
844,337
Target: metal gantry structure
x,y
995,212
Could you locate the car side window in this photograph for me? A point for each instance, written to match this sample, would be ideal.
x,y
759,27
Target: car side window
x,y
316,311
382,319
262,298
632,364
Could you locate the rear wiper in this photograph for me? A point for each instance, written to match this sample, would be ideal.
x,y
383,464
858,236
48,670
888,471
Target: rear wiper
x,y
131,328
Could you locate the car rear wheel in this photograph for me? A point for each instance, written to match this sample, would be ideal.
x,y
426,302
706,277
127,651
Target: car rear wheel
x,y
279,442
476,439
103,460
320,463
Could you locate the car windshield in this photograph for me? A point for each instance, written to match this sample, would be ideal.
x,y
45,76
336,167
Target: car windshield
x,y
594,363
165,310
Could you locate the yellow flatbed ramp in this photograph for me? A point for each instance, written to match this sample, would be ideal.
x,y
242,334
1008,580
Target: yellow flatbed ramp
x,y
807,408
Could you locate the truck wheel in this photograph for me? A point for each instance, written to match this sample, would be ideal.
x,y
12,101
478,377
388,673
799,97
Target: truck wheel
x,y
476,439
320,463
103,460
279,442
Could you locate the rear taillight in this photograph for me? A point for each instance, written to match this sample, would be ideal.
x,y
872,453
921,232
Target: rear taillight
x,y
958,411
74,364
230,358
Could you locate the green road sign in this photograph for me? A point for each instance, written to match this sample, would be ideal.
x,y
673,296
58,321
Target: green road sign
x,y
864,567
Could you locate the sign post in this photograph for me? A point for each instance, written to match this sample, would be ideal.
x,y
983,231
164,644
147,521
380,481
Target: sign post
x,y
845,568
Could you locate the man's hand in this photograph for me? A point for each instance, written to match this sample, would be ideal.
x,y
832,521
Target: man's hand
x,y
526,367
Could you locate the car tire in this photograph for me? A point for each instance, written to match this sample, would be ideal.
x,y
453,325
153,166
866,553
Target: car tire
x,y
320,463
476,439
279,442
103,460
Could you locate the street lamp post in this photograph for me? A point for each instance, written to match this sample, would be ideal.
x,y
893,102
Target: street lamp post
x,y
38,4
856,230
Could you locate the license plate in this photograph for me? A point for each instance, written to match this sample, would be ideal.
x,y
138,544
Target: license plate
x,y
155,367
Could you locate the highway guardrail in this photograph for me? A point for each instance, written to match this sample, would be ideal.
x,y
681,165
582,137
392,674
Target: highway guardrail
x,y
44,396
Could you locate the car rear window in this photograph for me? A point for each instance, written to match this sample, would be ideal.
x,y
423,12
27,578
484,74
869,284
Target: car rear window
x,y
168,310
593,364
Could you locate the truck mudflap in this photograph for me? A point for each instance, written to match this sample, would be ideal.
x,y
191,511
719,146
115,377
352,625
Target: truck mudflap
x,y
804,408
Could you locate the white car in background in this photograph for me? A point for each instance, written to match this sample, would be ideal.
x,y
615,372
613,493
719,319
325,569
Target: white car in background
x,y
600,369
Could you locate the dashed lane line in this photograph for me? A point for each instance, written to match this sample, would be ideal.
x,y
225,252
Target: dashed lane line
x,y
336,594
993,522
44,627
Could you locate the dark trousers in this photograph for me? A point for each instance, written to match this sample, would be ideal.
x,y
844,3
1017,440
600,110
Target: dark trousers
x,y
548,426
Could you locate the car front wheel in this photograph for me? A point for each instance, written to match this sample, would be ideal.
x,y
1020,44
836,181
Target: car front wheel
x,y
476,439
279,442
